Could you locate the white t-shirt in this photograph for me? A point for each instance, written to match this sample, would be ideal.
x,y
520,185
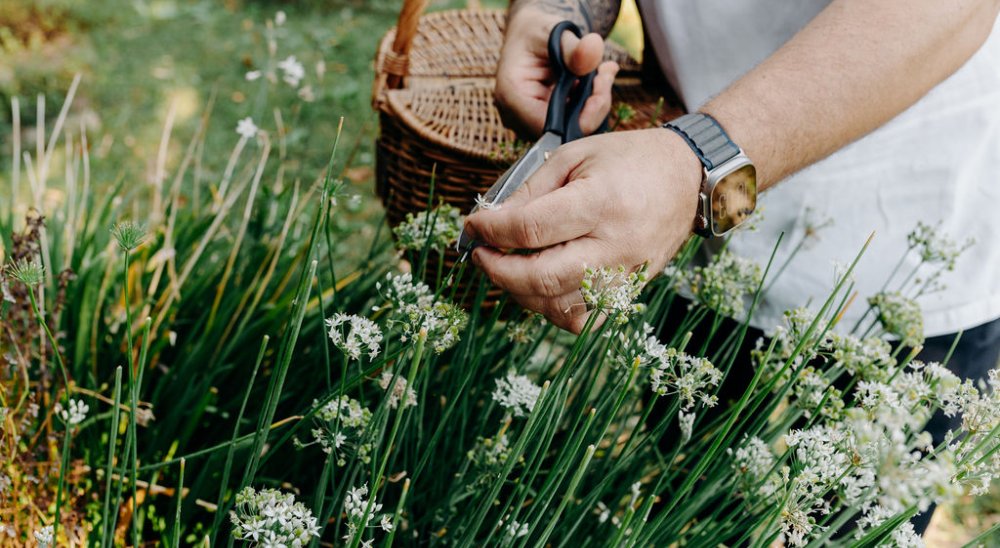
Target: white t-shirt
x,y
937,162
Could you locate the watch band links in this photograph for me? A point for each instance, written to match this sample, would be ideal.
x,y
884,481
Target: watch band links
x,y
706,138
713,147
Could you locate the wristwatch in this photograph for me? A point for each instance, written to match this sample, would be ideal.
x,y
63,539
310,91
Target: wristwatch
x,y
729,180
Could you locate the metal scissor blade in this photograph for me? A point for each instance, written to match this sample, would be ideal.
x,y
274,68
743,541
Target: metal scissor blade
x,y
511,180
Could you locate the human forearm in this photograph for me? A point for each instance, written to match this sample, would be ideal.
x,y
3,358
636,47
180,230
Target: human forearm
x,y
854,67
590,15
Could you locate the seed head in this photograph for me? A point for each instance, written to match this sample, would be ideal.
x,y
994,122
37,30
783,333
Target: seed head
x,y
129,234
29,272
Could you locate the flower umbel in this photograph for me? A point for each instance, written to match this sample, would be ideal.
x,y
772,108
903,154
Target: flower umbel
x,y
613,290
246,128
272,518
28,272
75,413
352,334
435,229
516,393
900,316
128,234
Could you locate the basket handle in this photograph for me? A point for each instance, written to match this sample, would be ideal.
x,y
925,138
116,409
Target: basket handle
x,y
397,61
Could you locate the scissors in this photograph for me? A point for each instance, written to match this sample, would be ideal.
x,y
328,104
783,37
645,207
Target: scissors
x,y
562,125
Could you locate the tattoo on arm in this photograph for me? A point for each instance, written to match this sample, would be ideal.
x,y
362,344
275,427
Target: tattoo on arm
x,y
591,15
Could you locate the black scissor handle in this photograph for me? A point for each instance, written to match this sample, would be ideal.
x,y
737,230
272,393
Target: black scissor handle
x,y
556,117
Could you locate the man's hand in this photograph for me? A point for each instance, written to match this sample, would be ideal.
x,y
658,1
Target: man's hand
x,y
625,198
525,77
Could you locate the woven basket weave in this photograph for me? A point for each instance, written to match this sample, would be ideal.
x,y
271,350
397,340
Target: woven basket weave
x,y
434,79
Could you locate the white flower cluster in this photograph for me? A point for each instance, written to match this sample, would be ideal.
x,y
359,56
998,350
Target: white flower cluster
x,y
522,332
516,393
899,316
674,372
979,450
400,392
292,71
246,129
754,463
874,456
75,412
45,536
723,285
934,246
352,334
435,229
272,518
341,425
613,291
359,515
417,311
489,453
793,335
868,358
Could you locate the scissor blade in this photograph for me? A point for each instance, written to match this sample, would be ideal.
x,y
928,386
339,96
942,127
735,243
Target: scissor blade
x,y
513,179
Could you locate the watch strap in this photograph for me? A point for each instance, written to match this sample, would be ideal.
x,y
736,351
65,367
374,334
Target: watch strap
x,y
713,147
706,138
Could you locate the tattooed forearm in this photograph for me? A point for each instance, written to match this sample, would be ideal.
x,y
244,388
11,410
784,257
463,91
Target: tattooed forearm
x,y
591,15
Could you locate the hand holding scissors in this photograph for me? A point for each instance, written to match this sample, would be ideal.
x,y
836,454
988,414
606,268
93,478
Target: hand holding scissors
x,y
562,125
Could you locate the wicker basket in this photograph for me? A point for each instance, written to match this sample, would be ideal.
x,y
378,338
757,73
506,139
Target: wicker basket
x,y
434,78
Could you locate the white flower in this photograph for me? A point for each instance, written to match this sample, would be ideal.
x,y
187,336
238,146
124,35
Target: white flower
x,y
386,523
436,229
44,536
483,203
272,518
613,290
686,423
340,428
723,284
900,316
362,333
417,312
935,246
246,128
279,18
293,71
515,529
252,75
675,372
400,390
75,414
516,393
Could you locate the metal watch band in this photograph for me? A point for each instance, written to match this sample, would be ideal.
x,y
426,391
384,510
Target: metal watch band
x,y
706,138
713,147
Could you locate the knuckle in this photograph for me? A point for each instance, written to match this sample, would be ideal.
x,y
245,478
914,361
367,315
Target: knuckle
x,y
548,283
529,232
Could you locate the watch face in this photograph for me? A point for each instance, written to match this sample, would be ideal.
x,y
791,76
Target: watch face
x,y
733,199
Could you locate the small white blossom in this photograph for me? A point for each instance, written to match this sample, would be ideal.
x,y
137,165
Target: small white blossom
x,y
75,413
44,536
246,128
613,290
361,334
417,311
400,391
253,75
516,393
483,203
724,284
386,523
436,229
280,18
292,71
900,316
340,429
272,518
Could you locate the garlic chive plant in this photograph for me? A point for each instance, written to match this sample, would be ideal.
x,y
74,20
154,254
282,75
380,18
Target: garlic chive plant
x,y
295,382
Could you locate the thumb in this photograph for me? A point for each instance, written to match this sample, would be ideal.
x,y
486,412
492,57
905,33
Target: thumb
x,y
582,55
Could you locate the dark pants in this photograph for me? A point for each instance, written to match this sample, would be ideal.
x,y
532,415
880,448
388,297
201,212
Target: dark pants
x,y
977,352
